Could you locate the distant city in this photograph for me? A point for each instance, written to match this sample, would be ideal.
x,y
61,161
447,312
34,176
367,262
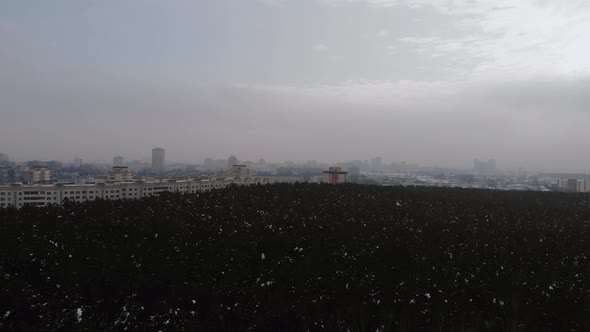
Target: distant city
x,y
39,183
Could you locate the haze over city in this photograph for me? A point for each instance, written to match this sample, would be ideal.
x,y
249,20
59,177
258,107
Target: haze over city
x,y
429,82
295,165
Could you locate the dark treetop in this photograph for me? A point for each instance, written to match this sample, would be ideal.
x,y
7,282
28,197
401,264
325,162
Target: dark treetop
x,y
300,257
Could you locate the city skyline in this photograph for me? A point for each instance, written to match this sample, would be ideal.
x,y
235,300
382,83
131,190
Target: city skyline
x,y
118,160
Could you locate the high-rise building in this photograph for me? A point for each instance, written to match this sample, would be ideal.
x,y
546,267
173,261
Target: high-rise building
x,y
7,175
231,161
4,160
118,161
377,163
354,173
484,167
158,160
77,162
54,165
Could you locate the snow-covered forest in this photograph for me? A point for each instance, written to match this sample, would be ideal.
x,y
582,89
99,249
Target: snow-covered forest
x,y
300,257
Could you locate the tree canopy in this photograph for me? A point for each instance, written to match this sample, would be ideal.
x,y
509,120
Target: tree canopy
x,y
297,257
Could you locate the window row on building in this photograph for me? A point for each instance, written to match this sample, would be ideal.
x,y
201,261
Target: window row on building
x,y
42,195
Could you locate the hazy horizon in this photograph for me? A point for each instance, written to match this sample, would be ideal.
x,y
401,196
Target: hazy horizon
x,y
437,82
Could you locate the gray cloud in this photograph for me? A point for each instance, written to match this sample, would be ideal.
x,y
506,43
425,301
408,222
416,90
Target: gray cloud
x,y
433,82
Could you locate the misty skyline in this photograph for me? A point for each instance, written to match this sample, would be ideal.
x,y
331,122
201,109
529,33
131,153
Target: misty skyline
x,y
437,82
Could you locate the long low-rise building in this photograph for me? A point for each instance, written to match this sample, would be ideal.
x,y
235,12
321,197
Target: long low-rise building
x,y
19,195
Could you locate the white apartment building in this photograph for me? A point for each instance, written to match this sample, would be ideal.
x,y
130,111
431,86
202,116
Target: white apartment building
x,y
39,174
19,195
120,174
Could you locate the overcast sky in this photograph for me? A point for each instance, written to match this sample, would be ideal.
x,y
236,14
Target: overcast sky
x,y
435,82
